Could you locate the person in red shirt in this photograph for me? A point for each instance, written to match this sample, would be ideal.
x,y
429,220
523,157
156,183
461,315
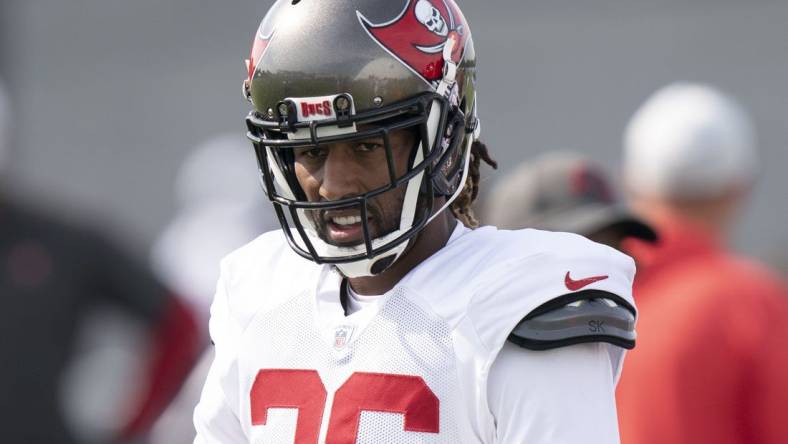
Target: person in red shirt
x,y
711,364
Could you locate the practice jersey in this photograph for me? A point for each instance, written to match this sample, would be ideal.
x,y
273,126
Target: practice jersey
x,y
291,367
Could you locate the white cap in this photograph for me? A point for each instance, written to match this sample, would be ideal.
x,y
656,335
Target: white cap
x,y
222,169
689,141
220,208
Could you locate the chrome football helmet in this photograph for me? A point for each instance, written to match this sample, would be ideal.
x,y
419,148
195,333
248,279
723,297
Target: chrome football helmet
x,y
330,71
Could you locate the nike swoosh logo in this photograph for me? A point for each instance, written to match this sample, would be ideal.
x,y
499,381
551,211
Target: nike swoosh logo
x,y
575,285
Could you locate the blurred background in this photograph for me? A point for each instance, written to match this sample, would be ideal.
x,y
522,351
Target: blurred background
x,y
110,96
110,100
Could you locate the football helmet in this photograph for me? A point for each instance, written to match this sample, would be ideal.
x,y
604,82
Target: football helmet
x,y
330,71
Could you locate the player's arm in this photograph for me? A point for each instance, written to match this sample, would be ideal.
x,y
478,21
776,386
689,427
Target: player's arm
x,y
215,417
554,379
560,396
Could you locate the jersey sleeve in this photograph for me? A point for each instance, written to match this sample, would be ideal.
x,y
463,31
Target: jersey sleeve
x,y
562,395
559,396
565,264
216,415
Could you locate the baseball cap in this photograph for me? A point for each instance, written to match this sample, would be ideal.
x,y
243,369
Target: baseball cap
x,y
689,141
561,191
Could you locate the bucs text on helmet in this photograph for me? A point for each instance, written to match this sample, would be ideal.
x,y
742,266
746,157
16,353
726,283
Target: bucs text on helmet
x,y
330,71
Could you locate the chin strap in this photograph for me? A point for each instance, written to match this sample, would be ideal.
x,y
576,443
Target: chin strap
x,y
343,294
449,69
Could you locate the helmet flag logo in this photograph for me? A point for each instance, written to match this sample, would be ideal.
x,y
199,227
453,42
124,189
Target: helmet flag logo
x,y
259,46
428,26
431,17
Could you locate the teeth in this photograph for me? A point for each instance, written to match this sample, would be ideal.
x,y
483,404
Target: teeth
x,y
346,220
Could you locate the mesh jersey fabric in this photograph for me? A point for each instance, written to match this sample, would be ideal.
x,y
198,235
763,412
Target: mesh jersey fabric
x,y
422,346
518,375
356,302
443,323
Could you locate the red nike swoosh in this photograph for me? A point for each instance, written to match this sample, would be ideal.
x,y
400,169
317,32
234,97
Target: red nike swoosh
x,y
575,285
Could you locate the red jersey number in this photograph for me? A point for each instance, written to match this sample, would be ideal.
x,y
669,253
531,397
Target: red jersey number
x,y
299,389
372,392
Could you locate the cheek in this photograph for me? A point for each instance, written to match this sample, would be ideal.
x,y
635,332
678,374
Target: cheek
x,y
372,171
401,159
389,205
403,148
308,182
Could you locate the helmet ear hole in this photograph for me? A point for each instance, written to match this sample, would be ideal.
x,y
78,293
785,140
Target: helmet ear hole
x,y
448,168
382,264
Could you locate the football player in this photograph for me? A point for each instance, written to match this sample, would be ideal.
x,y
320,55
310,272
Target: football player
x,y
374,315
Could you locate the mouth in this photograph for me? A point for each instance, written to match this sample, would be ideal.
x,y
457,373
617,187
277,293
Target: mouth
x,y
344,228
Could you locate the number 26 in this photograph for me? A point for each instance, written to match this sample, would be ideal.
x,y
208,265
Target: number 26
x,y
376,392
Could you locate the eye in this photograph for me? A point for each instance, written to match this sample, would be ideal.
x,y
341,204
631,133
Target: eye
x,y
311,152
367,146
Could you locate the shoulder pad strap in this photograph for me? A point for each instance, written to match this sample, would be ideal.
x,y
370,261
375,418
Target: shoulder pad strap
x,y
584,316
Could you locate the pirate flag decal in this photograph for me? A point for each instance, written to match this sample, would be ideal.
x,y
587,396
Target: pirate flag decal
x,y
427,25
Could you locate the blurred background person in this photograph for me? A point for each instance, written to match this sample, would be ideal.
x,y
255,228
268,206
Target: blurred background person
x,y
219,208
54,273
711,364
111,96
563,191
777,258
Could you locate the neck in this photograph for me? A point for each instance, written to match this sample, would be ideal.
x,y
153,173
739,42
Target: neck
x,y
431,239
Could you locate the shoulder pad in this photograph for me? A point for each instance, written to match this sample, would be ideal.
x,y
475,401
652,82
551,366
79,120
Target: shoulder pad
x,y
584,316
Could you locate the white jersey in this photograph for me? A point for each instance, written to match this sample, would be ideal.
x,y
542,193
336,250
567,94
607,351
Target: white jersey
x,y
290,367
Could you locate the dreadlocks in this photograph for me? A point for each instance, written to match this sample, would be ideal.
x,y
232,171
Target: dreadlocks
x,y
461,207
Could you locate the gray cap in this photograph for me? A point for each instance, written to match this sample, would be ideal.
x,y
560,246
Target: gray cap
x,y
561,191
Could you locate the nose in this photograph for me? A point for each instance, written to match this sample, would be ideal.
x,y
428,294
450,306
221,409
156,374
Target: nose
x,y
340,178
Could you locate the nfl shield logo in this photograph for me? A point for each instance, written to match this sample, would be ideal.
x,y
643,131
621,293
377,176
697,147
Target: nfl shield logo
x,y
342,336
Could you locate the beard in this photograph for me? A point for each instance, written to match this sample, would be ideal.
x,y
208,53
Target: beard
x,y
383,217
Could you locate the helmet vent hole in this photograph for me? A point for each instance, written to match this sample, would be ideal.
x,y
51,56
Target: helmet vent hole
x,y
295,2
382,264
